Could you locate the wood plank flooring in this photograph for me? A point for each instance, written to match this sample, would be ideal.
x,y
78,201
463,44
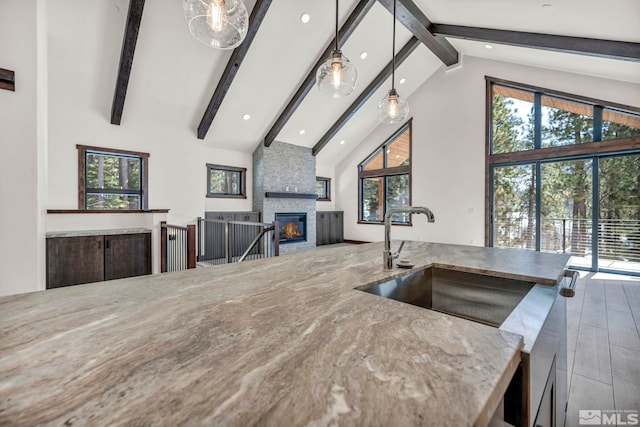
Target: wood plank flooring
x,y
604,345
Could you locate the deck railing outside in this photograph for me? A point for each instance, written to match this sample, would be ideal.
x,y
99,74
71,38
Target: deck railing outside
x,y
618,239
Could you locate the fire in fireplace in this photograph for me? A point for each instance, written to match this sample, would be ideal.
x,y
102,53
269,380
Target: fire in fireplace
x,y
293,227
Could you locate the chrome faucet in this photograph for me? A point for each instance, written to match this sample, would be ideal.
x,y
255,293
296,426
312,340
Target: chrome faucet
x,y
387,255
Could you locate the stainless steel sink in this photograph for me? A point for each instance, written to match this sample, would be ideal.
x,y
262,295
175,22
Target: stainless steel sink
x,y
538,390
476,297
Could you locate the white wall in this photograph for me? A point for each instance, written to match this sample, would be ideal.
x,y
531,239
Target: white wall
x,y
80,99
448,148
21,142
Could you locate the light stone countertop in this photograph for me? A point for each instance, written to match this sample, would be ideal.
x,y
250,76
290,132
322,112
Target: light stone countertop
x,y
285,341
112,231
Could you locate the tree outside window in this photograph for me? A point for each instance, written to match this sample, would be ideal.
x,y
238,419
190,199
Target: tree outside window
x,y
226,181
323,189
111,179
385,179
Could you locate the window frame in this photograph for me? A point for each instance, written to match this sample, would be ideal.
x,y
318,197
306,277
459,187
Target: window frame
x,y
83,150
242,187
385,173
327,188
539,154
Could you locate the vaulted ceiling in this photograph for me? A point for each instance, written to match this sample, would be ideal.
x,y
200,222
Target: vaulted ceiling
x,y
173,76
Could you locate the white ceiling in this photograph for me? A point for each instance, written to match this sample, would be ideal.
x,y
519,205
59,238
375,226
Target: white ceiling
x,y
174,76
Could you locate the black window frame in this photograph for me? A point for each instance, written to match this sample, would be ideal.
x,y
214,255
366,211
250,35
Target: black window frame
x,y
242,181
327,188
84,191
539,155
385,173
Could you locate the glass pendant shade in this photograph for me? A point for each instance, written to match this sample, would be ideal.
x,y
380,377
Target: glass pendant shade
x,y
337,76
221,24
393,109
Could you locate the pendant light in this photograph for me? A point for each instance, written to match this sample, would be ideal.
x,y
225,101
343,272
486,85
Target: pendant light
x,y
221,24
337,76
393,109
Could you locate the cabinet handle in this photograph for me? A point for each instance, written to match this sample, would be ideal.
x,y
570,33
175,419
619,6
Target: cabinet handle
x,y
569,290
106,244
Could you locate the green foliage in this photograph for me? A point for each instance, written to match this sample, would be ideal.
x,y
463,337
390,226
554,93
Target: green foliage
x,y
224,182
566,187
105,172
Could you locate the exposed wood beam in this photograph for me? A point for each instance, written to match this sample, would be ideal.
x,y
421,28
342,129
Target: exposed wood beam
x,y
579,45
410,15
126,58
7,79
354,19
366,94
255,20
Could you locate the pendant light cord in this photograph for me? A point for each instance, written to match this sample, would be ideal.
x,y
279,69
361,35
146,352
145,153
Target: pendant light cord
x,y
337,48
393,57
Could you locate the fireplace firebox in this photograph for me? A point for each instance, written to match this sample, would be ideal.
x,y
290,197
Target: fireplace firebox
x,y
293,227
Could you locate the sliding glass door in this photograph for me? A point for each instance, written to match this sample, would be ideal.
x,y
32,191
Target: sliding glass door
x,y
550,206
619,214
566,210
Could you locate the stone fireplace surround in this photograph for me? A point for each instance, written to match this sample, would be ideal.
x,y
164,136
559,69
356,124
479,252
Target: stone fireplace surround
x,y
289,171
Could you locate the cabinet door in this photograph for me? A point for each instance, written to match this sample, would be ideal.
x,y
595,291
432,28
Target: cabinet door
x,y
337,225
323,228
221,216
74,260
547,411
247,216
127,255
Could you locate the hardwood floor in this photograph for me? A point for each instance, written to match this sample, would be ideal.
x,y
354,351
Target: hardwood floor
x,y
604,345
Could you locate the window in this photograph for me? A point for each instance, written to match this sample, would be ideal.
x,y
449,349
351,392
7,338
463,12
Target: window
x,y
226,181
385,179
323,189
111,179
564,176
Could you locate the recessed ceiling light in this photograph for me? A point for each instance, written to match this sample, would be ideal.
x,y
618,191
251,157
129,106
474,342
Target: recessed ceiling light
x,y
397,156
388,150
302,131
305,18
363,55
246,117
342,142
402,81
488,46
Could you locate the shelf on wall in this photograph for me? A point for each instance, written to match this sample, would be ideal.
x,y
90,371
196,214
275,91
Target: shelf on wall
x,y
272,194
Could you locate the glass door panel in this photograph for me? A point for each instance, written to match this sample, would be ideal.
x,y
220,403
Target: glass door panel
x,y
619,214
514,206
566,210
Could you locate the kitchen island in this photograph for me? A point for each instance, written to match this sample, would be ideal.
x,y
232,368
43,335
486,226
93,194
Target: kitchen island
x,y
280,341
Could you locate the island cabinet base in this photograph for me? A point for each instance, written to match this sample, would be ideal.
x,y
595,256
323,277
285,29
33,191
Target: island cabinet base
x,y
77,260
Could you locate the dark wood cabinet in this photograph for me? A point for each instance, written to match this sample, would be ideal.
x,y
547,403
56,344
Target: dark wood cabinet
x,y
247,216
127,255
329,227
85,259
323,228
74,260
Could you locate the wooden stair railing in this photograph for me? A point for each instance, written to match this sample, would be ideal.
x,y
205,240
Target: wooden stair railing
x,y
177,247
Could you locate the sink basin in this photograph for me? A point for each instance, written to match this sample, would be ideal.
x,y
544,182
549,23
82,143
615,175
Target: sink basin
x,y
476,297
528,309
